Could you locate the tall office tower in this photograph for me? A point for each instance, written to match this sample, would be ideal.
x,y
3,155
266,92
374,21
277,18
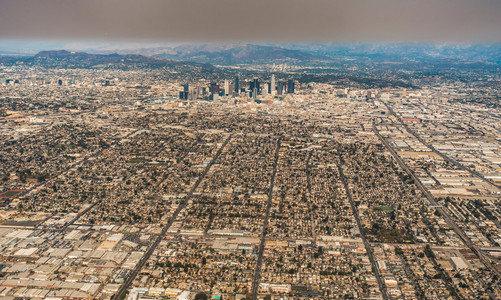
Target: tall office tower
x,y
214,88
290,86
199,92
404,93
60,82
252,84
237,83
272,85
280,87
186,87
255,85
226,87
183,95
195,93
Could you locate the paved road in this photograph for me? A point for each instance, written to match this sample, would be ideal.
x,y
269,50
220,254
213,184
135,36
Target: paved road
x,y
86,210
434,150
367,245
308,195
257,272
446,279
65,170
123,288
78,216
466,240
410,275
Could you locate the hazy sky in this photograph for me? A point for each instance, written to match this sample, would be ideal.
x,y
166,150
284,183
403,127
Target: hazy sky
x,y
253,20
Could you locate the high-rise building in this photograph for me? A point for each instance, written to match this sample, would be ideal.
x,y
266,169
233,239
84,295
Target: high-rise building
x,y
198,92
255,85
404,93
60,82
272,84
290,86
214,88
280,88
186,87
237,83
226,87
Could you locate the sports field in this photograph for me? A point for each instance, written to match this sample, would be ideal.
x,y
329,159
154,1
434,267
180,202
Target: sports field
x,y
10,194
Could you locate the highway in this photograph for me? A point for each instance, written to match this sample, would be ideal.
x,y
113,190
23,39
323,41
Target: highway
x,y
125,285
367,245
482,257
434,150
257,272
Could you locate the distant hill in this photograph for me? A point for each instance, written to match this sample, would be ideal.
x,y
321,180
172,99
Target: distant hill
x,y
230,54
67,59
406,51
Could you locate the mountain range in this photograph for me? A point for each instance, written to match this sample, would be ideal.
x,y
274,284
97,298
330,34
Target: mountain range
x,y
232,54
411,56
195,55
67,59
405,51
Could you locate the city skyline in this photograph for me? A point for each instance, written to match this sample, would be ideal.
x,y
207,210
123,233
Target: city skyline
x,y
250,150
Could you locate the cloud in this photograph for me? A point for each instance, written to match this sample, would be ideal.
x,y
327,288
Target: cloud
x,y
253,20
